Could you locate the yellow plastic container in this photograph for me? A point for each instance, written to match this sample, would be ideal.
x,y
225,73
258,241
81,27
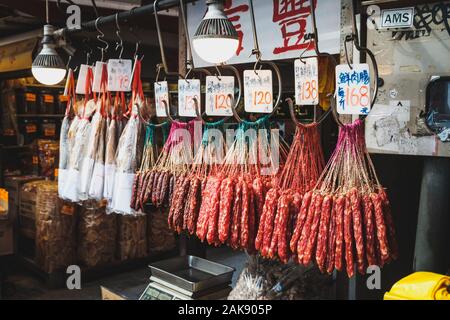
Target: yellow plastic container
x,y
421,286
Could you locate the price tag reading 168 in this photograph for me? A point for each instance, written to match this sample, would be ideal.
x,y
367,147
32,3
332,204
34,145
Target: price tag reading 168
x,y
353,89
258,91
188,93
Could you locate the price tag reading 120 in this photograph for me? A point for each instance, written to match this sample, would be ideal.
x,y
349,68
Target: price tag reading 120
x,y
258,91
219,95
306,81
188,92
353,89
161,94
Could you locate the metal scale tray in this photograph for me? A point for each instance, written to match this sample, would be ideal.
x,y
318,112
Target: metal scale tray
x,y
192,273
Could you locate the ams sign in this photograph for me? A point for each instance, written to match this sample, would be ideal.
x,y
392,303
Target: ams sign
x,y
397,18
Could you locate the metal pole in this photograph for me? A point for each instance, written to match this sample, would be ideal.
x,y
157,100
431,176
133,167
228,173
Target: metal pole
x,y
124,16
256,50
432,242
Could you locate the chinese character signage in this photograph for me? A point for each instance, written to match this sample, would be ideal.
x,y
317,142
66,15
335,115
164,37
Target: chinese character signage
x,y
258,95
353,89
219,95
119,74
188,96
306,81
161,97
281,26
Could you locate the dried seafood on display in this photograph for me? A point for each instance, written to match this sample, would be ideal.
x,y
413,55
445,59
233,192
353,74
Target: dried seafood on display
x,y
347,220
129,151
132,237
96,237
79,134
284,200
55,229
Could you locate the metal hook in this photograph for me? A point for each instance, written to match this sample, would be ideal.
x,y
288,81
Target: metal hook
x,y
218,74
100,37
119,44
166,107
290,103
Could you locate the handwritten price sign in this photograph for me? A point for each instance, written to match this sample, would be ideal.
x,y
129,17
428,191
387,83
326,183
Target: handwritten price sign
x,y
306,81
161,94
119,74
353,89
219,93
258,91
188,92
81,81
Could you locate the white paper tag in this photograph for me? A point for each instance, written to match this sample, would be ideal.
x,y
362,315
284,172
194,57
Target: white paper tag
x,y
119,74
353,89
81,81
188,92
219,95
96,84
97,182
62,180
122,193
306,81
258,91
71,187
161,94
110,172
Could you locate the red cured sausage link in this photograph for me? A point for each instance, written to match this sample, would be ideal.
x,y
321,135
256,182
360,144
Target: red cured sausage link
x,y
380,228
226,200
141,189
147,188
314,231
245,209
194,201
348,237
271,206
355,200
235,224
178,213
369,230
322,238
303,242
283,225
331,239
176,195
203,216
258,194
300,221
213,220
339,208
172,183
155,192
273,247
251,222
163,187
294,210
134,190
389,224
187,203
271,195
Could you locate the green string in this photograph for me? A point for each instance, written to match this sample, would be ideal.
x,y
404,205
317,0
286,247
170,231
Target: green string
x,y
208,126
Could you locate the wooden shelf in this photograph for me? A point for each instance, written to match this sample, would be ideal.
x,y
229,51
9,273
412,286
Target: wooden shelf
x,y
57,116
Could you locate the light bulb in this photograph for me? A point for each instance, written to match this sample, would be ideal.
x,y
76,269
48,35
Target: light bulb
x,y
216,40
48,67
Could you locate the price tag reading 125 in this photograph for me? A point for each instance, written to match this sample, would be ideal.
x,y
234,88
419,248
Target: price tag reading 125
x,y
161,94
306,81
258,91
188,92
119,74
353,89
219,95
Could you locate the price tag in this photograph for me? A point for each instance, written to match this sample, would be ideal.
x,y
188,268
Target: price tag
x,y
353,89
49,99
258,91
188,91
161,94
97,82
35,160
119,74
219,96
68,209
306,81
81,81
30,97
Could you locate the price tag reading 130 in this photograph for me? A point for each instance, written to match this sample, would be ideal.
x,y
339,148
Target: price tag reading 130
x,y
219,95
188,92
353,89
161,94
306,81
258,91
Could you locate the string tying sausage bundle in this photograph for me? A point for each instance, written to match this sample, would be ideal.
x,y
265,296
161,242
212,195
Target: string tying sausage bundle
x,y
346,219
